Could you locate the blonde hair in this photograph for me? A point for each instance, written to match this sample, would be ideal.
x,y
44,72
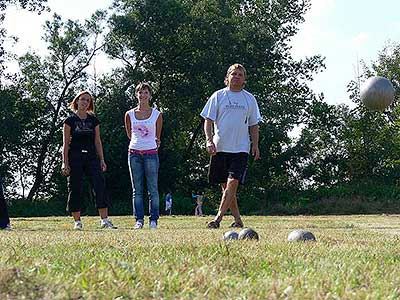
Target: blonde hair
x,y
74,104
231,69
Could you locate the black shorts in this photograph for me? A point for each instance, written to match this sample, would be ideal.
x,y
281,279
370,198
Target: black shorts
x,y
226,165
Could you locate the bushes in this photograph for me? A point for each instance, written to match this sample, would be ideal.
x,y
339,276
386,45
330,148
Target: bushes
x,y
22,208
351,198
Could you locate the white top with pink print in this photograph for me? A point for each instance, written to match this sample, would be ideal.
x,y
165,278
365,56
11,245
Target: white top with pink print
x,y
143,132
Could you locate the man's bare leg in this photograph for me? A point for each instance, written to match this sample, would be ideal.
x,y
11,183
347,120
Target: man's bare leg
x,y
234,206
228,197
235,212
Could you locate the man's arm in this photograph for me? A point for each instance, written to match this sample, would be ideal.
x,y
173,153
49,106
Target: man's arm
x,y
208,130
254,134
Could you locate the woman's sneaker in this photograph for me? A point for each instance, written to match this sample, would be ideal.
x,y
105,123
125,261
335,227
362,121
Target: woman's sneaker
x,y
138,225
106,223
78,225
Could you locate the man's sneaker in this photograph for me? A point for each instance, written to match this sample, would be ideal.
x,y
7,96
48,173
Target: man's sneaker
x,y
106,223
138,225
78,225
213,225
153,224
236,225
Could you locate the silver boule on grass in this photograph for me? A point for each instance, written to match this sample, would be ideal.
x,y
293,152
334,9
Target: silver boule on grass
x,y
377,93
248,234
301,235
230,235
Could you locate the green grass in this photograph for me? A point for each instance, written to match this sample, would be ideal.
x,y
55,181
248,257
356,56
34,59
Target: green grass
x,y
355,257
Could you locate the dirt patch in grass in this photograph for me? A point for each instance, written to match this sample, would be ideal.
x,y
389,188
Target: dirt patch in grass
x,y
16,284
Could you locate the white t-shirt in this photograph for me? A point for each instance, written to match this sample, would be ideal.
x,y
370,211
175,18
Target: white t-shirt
x,y
143,132
232,114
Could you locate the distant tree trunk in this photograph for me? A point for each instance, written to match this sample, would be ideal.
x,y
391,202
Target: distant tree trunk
x,y
196,133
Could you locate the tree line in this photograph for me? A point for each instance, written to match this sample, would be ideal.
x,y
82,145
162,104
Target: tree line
x,y
339,157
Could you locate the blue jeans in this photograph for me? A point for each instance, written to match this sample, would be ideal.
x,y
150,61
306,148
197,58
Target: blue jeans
x,y
141,166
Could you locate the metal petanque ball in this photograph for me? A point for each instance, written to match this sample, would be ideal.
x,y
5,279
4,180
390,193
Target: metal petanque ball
x,y
301,236
230,235
248,234
377,93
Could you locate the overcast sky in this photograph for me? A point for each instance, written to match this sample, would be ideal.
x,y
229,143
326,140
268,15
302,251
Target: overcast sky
x,y
343,31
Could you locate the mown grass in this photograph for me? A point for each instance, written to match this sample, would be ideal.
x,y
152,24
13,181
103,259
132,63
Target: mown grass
x,y
355,257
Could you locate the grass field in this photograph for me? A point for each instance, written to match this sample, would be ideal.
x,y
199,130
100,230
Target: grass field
x,y
355,257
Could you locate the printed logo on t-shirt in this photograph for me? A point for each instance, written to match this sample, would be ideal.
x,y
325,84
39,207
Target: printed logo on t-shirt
x,y
235,101
235,105
141,130
83,126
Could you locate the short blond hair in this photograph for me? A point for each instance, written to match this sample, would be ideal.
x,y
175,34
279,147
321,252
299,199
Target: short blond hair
x,y
74,103
231,69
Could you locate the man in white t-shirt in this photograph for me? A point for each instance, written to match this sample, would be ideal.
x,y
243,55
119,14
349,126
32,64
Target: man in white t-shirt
x,y
231,118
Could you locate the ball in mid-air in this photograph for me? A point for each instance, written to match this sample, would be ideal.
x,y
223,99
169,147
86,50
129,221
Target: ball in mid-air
x,y
301,236
377,93
230,235
248,234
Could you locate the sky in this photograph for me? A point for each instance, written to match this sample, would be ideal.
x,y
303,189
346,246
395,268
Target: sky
x,y
342,31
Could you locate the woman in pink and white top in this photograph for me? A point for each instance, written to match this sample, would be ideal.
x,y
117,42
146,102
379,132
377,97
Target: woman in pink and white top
x,y
143,126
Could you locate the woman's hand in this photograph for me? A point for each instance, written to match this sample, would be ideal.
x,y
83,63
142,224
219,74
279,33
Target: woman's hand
x,y
65,169
103,165
158,142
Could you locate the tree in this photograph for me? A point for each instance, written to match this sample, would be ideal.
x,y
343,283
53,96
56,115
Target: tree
x,y
45,86
9,95
31,5
183,48
373,137
339,146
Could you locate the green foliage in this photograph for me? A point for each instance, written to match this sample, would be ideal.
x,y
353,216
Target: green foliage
x,y
184,49
44,87
23,208
372,138
31,5
8,123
